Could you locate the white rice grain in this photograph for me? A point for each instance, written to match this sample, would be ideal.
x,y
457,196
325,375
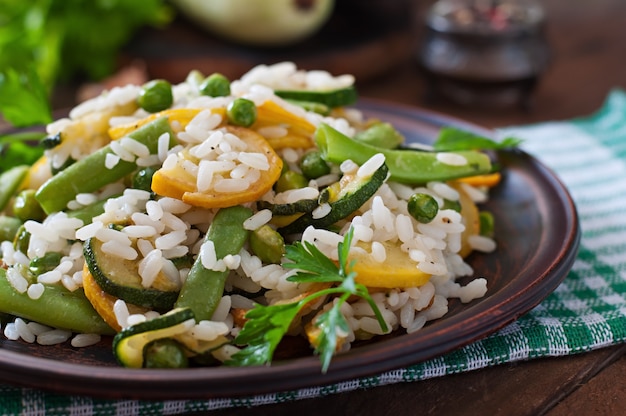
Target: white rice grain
x,y
222,309
121,152
149,267
231,185
84,340
321,211
451,159
254,160
24,331
35,291
139,231
481,243
170,240
163,144
54,336
154,210
134,147
120,310
208,257
10,332
15,278
370,166
257,220
49,277
379,254
116,249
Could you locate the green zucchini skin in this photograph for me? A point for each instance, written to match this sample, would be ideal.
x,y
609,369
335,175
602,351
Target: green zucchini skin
x,y
119,278
129,343
343,207
298,207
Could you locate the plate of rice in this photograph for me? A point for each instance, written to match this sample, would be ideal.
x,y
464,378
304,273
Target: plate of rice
x,y
218,238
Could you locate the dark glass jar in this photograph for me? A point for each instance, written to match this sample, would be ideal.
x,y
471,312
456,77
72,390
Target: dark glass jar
x,y
484,52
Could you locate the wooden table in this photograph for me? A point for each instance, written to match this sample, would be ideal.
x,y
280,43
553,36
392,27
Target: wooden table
x,y
588,43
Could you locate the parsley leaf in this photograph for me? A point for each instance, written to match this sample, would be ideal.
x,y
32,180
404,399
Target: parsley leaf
x,y
267,325
19,149
44,41
23,98
451,139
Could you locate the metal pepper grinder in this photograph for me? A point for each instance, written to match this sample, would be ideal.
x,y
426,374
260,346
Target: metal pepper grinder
x,y
484,52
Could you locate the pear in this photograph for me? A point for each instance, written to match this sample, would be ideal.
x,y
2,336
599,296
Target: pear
x,y
259,22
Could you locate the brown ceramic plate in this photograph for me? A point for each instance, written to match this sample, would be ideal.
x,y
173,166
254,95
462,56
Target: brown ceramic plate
x,y
538,235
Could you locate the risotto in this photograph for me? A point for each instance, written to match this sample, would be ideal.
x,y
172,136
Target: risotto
x,y
195,222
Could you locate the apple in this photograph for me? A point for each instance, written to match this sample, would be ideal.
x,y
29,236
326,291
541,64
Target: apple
x,y
259,22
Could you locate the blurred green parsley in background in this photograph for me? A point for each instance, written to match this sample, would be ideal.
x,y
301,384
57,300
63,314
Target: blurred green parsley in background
x,y
43,42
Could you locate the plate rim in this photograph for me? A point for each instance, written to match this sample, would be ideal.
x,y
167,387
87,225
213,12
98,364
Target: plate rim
x,y
117,382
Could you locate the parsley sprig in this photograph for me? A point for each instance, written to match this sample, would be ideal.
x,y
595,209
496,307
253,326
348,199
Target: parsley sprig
x,y
267,325
452,138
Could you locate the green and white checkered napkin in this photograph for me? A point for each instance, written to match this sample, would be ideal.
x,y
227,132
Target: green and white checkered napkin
x,y
587,311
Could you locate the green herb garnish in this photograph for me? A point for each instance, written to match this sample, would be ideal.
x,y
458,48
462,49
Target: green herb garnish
x,y
453,139
43,42
23,98
267,325
19,149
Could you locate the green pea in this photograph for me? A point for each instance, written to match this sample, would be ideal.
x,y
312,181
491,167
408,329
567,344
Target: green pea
x,y
267,244
8,227
313,165
26,207
155,96
290,180
165,353
215,85
241,112
423,207
43,264
142,179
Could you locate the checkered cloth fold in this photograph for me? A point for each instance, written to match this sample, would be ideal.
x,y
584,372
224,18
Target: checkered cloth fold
x,y
586,312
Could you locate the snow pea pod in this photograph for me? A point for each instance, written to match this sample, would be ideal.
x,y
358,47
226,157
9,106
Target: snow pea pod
x,y
57,307
91,173
204,287
405,165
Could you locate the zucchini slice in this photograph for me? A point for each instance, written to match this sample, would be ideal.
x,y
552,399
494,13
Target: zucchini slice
x,y
129,343
339,97
344,197
120,278
298,207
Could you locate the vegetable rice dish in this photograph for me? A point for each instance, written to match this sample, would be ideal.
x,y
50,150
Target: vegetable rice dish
x,y
201,223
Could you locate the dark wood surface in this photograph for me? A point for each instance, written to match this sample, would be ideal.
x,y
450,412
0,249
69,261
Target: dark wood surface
x,y
588,45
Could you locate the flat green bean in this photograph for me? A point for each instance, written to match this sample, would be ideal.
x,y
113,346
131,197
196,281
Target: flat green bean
x,y
405,165
57,307
90,173
203,287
